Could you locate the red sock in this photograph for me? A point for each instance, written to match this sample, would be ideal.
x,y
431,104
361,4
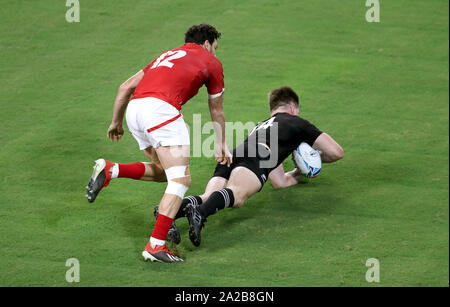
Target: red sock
x,y
161,229
131,170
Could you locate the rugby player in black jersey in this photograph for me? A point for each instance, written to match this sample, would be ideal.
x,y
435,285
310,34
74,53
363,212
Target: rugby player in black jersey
x,y
258,158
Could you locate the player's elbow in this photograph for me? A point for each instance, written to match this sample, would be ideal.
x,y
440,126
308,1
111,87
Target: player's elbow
x,y
336,154
126,87
276,185
279,184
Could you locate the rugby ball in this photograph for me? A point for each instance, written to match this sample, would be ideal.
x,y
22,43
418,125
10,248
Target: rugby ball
x,y
307,160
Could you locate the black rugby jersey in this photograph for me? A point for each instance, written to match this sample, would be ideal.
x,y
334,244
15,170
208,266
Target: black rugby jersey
x,y
274,139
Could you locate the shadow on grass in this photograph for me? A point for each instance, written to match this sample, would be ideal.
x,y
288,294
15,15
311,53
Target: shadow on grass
x,y
220,234
138,223
268,209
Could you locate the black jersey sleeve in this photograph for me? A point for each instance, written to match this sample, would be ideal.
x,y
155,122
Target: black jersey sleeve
x,y
307,131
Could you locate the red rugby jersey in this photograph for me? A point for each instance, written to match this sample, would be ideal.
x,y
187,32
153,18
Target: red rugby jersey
x,y
177,75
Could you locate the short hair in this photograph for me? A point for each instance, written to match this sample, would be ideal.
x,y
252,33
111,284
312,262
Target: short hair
x,y
282,96
198,34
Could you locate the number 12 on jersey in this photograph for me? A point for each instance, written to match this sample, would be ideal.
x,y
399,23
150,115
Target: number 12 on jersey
x,y
166,58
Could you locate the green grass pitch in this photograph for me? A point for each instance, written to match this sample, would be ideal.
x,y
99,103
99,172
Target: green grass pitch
x,y
380,89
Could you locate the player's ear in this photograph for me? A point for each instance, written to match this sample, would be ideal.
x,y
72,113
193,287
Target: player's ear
x,y
292,108
295,109
206,45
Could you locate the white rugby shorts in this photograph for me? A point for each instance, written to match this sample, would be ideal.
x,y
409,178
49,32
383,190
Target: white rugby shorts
x,y
154,122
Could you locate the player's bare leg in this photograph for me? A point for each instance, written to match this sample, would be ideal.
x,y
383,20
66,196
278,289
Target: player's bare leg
x,y
175,162
154,170
214,184
244,183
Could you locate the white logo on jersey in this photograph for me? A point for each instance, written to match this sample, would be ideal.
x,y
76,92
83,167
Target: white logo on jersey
x,y
264,125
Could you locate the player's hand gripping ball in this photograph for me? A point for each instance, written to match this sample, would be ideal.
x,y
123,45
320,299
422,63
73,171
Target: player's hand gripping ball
x,y
307,160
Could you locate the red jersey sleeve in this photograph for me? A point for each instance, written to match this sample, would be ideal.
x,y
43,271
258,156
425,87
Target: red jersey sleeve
x,y
215,83
146,68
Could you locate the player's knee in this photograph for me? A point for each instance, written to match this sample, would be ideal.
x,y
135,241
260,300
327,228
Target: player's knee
x,y
186,181
176,188
178,180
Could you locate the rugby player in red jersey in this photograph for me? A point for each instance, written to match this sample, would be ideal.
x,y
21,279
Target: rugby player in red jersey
x,y
154,119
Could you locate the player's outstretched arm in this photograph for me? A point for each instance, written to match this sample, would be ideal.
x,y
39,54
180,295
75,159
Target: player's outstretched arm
x,y
223,155
329,149
126,89
280,179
